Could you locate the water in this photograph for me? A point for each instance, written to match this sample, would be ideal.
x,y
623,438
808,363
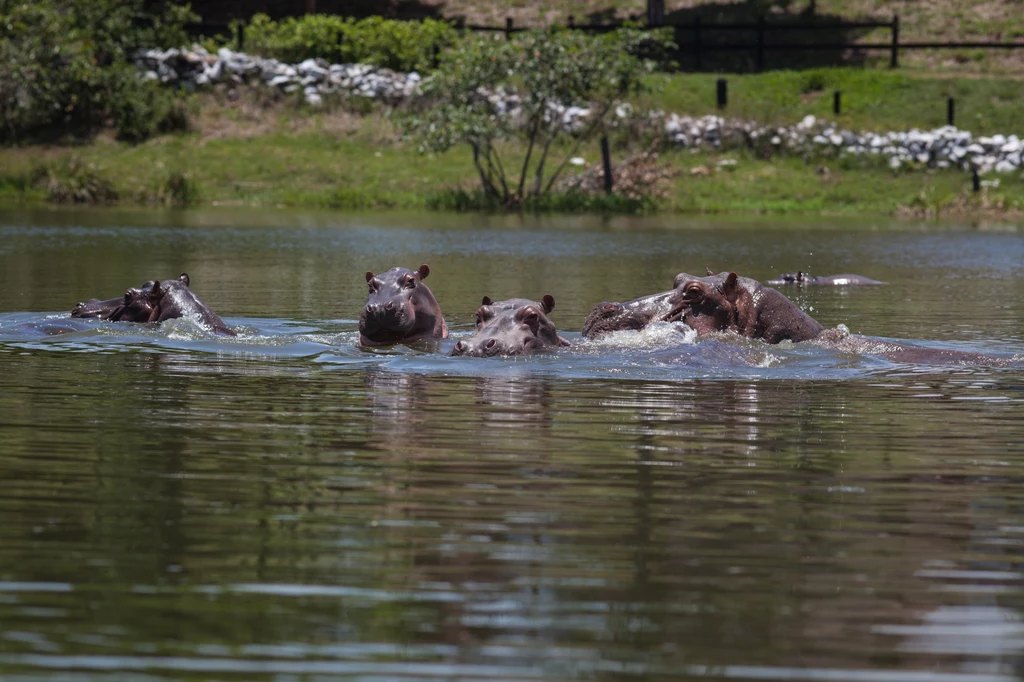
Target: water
x,y
286,506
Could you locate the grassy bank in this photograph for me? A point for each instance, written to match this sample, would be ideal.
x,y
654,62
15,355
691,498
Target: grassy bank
x,y
255,152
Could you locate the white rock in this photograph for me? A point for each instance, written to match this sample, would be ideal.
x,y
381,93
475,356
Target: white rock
x,y
1005,167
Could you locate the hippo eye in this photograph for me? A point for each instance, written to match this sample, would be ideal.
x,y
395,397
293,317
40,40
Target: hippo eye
x,y
409,282
693,291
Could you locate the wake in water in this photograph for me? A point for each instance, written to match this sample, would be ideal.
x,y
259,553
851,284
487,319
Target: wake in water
x,y
663,350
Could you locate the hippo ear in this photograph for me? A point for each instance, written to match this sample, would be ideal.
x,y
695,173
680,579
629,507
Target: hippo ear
x,y
708,270
183,278
487,301
731,285
155,291
548,303
799,277
369,275
424,271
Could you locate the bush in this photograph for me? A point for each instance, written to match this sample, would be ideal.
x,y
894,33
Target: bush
x,y
179,189
69,181
65,64
398,45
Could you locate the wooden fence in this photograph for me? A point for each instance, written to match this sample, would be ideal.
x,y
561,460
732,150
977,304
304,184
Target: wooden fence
x,y
692,37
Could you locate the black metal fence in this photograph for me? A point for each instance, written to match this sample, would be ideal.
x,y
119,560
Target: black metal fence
x,y
694,38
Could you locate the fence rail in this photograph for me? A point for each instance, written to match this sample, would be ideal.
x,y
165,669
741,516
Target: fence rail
x,y
691,37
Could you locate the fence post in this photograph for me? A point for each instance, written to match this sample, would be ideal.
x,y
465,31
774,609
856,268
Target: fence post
x,y
975,180
572,21
894,56
760,43
950,111
837,102
655,13
508,28
241,36
696,42
606,158
721,93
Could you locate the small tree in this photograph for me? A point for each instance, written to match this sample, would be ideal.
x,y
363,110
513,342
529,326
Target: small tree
x,y
486,91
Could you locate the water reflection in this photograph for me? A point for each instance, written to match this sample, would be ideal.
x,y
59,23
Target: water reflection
x,y
288,505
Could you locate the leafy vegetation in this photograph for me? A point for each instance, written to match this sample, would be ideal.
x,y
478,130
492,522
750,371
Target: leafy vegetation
x,y
398,45
67,69
550,71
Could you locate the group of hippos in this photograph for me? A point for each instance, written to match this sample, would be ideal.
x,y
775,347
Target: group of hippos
x,y
400,308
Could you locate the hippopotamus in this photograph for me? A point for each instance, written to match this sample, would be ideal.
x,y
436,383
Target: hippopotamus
x,y
400,308
155,301
727,302
606,317
803,279
512,327
94,307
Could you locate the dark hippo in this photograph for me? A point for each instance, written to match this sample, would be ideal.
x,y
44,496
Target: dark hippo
x,y
512,327
94,307
803,279
727,302
400,308
168,299
607,317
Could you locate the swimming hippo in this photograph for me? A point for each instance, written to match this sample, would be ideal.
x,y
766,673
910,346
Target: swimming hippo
x,y
400,308
159,300
608,317
94,307
489,309
727,302
803,279
512,327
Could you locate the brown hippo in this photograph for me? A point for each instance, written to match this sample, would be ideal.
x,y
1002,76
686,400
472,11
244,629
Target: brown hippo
x,y
400,308
155,301
607,317
94,307
167,300
489,309
512,327
727,302
803,279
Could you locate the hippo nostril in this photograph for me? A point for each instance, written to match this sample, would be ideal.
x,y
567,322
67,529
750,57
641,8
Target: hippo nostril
x,y
390,306
490,343
459,346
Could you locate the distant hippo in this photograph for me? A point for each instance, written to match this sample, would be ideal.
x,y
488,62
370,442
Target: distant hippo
x,y
606,317
400,308
727,302
512,327
803,279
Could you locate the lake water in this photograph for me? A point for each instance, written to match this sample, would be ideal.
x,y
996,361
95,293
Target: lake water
x,y
284,506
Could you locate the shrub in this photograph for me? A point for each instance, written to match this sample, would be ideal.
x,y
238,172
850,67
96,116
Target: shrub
x,y
70,181
398,45
179,189
65,63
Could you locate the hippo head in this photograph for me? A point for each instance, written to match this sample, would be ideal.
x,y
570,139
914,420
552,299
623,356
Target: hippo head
x,y
714,303
147,303
489,309
789,278
634,315
400,307
512,327
96,308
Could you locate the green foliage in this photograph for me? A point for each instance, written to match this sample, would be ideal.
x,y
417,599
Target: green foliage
x,y
179,189
549,70
66,64
72,181
398,45
572,201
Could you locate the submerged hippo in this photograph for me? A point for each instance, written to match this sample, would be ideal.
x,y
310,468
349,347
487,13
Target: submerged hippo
x,y
635,315
512,327
400,308
96,308
727,302
803,279
155,301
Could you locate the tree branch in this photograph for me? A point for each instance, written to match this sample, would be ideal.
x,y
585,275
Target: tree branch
x,y
593,126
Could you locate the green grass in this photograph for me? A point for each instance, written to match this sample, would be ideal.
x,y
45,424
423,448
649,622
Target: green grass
x,y
288,157
871,99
